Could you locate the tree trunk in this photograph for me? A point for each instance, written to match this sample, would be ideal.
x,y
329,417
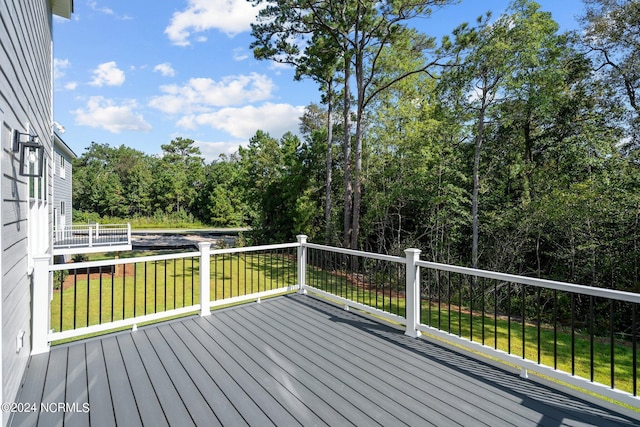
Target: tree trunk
x,y
347,152
357,173
327,203
357,182
476,182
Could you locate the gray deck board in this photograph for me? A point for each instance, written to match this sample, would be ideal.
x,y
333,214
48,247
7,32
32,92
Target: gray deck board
x,y
389,392
124,403
173,407
196,405
223,411
289,361
245,410
32,389
148,406
344,380
76,393
292,379
54,388
402,371
101,415
327,386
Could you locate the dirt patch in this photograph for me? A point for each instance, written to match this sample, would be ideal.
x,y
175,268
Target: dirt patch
x,y
121,270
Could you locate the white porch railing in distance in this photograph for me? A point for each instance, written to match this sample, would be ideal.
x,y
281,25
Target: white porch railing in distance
x,y
92,235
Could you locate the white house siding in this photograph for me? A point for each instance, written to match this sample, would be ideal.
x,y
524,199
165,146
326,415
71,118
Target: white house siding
x,y
26,103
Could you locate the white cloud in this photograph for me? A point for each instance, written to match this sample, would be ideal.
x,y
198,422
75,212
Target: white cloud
x,y
165,69
107,11
94,5
108,74
202,94
212,150
239,54
105,114
229,16
71,86
243,122
59,67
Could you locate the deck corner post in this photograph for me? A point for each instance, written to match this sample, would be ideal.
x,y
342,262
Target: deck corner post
x,y
412,293
205,278
302,263
41,286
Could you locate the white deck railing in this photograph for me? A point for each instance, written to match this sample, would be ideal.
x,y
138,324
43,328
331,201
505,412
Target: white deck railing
x,y
441,300
91,235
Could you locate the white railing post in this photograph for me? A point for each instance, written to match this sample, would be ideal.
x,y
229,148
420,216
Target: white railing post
x,y
205,279
302,263
128,233
90,237
412,293
41,304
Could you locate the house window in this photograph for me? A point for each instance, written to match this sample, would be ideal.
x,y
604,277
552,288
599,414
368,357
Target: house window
x,y
38,185
62,208
62,166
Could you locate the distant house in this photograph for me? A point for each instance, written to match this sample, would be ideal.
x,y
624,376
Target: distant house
x,y
26,190
62,178
69,238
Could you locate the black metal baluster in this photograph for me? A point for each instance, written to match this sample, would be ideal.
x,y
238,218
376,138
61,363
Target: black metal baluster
x,y
613,342
75,298
472,286
573,335
509,318
438,278
99,297
524,315
429,296
460,305
145,289
495,314
215,280
634,333
449,299
113,288
88,293
124,290
539,321
164,303
591,337
555,329
482,281
62,298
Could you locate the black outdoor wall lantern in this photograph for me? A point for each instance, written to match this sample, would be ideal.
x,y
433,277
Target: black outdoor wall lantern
x,y
31,153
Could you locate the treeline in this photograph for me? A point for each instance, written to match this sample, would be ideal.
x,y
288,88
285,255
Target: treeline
x,y
508,146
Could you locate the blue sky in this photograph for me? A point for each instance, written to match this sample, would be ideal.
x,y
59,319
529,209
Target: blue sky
x,y
141,73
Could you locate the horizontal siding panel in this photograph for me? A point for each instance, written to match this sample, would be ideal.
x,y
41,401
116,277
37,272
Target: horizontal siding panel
x,y
29,42
26,100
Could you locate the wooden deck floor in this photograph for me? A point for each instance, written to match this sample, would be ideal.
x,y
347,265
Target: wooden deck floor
x,y
288,361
